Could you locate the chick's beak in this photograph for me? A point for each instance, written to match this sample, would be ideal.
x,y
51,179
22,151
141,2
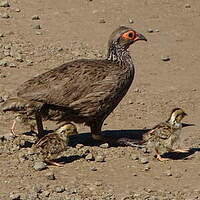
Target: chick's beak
x,y
139,36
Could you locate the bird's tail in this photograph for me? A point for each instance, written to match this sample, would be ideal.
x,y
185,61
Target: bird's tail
x,y
15,104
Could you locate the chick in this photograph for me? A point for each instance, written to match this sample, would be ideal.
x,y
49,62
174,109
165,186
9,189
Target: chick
x,y
51,145
163,136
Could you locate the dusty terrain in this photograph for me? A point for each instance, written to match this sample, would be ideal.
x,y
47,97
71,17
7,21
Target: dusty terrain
x,y
80,29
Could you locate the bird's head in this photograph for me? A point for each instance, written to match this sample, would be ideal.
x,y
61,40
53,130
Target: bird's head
x,y
123,37
67,130
177,115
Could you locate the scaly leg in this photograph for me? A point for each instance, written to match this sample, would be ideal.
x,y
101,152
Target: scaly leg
x,y
182,150
40,128
158,157
54,163
12,130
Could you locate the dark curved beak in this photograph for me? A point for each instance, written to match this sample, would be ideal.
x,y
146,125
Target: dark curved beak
x,y
139,36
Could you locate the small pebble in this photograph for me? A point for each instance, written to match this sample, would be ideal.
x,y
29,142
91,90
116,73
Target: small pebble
x,y
18,57
46,193
100,158
93,169
17,10
3,63
150,30
35,17
157,30
5,15
15,196
79,146
165,58
143,160
102,21
60,189
130,21
38,166
36,26
104,146
38,33
12,65
168,173
4,4
89,157
134,157
50,176
2,35
187,5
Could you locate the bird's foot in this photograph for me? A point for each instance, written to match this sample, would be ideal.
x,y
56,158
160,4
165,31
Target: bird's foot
x,y
186,150
158,157
130,142
54,163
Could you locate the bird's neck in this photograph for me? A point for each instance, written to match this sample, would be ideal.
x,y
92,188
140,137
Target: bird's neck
x,y
120,55
174,123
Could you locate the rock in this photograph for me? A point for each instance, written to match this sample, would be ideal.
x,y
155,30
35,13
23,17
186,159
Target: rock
x,y
2,34
35,17
38,33
38,166
93,169
89,157
130,21
134,157
168,173
17,10
143,160
100,158
4,3
79,146
46,193
36,26
187,5
18,57
104,146
150,30
3,63
15,196
5,15
12,65
165,58
50,176
60,189
102,21
29,62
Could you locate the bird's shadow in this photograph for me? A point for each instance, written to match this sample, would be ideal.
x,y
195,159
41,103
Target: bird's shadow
x,y
68,159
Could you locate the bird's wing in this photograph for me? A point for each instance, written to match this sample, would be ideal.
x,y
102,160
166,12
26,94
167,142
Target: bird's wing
x,y
162,131
71,83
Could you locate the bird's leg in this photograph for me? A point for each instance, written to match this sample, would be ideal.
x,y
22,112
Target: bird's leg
x,y
158,157
96,131
39,124
186,150
12,130
54,163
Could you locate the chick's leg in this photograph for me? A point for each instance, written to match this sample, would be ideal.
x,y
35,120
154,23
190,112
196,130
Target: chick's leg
x,y
54,163
12,130
158,157
186,150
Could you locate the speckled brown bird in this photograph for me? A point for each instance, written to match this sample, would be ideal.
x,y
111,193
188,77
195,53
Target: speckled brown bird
x,y
83,91
163,136
51,145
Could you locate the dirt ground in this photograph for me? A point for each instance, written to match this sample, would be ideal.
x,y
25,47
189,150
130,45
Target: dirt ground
x,y
80,29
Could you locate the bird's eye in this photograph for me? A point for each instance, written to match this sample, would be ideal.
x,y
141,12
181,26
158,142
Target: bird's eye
x,y
130,35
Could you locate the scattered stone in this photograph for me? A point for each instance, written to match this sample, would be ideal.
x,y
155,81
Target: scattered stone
x,y
18,57
137,90
4,3
89,157
17,10
79,146
187,5
5,15
60,189
145,150
165,58
130,21
134,174
38,166
130,102
3,63
102,21
29,63
147,168
157,30
46,193
150,30
12,65
104,146
134,157
36,26
2,35
100,158
15,196
35,17
37,189
168,173
6,52
50,176
38,33
93,169
143,160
